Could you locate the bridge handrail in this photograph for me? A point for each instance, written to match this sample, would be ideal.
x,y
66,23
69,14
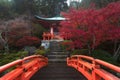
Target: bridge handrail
x,y
82,56
108,65
91,68
9,65
25,67
32,57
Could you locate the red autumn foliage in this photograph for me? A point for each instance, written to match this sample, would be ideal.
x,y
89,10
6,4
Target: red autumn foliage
x,y
28,41
68,45
18,28
91,27
14,29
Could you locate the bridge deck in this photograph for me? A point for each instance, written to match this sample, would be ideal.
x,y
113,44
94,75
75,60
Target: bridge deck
x,y
58,71
57,68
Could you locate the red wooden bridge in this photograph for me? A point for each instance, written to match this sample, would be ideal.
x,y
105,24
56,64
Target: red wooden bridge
x,y
90,68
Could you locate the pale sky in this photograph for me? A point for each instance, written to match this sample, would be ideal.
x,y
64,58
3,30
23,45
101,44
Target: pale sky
x,y
9,0
68,1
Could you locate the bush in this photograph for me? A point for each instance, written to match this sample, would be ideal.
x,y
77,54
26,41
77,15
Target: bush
x,y
103,55
43,52
40,52
80,52
7,58
97,54
65,45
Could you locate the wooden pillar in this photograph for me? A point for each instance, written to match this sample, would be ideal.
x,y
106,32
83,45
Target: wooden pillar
x,y
52,32
43,35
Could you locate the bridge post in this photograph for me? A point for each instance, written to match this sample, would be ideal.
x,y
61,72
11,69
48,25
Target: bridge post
x,y
94,75
78,58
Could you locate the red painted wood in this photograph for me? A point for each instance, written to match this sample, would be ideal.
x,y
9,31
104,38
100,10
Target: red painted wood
x,y
25,68
91,68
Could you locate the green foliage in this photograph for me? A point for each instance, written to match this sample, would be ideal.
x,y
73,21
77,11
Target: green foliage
x,y
5,9
80,52
6,3
103,55
97,54
50,8
100,54
12,8
7,58
65,44
67,40
38,30
63,47
42,51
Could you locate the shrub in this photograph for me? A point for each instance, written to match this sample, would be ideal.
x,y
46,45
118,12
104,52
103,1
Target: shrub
x,y
7,58
97,54
103,55
66,45
43,52
40,52
80,52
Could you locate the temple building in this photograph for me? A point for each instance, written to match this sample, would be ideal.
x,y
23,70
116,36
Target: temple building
x,y
52,24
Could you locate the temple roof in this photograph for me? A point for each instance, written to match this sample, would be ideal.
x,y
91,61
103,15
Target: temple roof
x,y
51,19
48,22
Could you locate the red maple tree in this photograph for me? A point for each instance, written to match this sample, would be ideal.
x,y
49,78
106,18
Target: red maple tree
x,y
28,41
91,27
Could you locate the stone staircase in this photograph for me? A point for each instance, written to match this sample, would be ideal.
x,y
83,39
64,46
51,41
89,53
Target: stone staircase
x,y
57,68
56,53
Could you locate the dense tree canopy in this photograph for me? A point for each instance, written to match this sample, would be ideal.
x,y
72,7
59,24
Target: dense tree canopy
x,y
12,30
47,8
50,8
91,27
87,3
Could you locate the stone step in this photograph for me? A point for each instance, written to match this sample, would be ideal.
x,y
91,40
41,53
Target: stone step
x,y
57,60
57,68
55,50
58,53
58,56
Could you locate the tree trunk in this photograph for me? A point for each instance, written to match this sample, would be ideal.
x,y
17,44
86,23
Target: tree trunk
x,y
89,49
4,43
94,42
115,46
6,48
117,53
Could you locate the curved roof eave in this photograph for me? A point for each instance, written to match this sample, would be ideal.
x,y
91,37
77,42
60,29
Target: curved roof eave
x,y
51,19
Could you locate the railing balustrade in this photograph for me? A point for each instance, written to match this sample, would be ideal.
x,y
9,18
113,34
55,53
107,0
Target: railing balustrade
x,y
24,68
92,68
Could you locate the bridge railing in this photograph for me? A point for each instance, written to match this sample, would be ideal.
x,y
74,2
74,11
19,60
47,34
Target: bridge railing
x,y
24,69
92,68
